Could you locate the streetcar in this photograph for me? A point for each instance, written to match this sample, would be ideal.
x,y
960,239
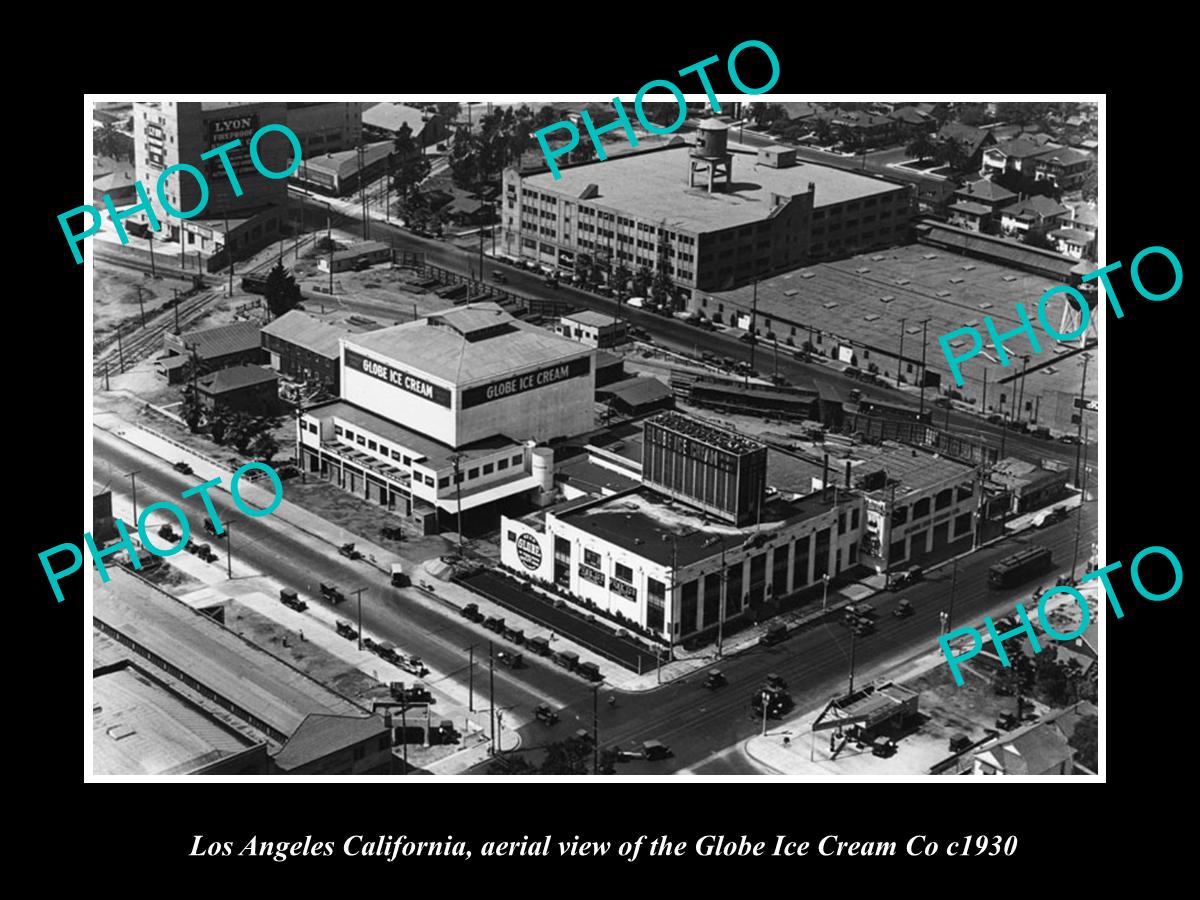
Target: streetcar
x,y
1020,567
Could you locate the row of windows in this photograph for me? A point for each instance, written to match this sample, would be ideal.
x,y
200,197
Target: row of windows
x,y
481,471
378,447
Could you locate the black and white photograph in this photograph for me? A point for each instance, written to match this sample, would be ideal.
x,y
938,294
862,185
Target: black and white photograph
x,y
738,435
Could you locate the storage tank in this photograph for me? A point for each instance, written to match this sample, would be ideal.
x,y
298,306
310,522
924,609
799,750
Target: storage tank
x,y
541,461
712,140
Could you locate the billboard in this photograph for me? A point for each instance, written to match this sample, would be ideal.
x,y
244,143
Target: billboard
x,y
426,390
232,128
518,384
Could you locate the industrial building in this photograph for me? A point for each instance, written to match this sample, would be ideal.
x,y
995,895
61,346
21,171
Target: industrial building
x,y
711,218
304,348
176,692
1027,485
341,172
444,414
210,348
356,256
169,133
386,120
671,566
593,328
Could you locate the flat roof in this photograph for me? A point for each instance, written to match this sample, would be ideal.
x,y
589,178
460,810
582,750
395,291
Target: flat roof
x,y
862,299
344,163
591,317
661,530
730,441
141,727
477,342
234,668
653,186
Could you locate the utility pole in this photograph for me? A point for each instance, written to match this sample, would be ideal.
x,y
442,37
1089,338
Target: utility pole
x,y
300,226
362,189
329,241
404,730
228,246
106,374
471,679
150,238
724,594
953,584
983,405
1021,390
595,729
766,706
853,642
1079,432
228,550
492,695
132,476
753,336
141,304
481,255
825,593
924,343
456,458
358,593
887,557
175,303
1079,519
900,360
121,355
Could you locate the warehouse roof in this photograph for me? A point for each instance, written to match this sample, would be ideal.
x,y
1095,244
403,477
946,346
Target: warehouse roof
x,y
653,186
228,665
656,528
638,391
299,328
471,343
141,727
320,735
344,163
235,378
591,317
392,116
223,340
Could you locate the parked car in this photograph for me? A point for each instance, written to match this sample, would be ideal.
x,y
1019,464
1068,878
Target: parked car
x,y
903,609
590,671
183,468
909,576
775,633
211,528
494,623
568,659
775,682
348,551
291,599
392,533
471,611
332,594
715,679
538,646
399,579
167,533
544,714
863,627
516,635
348,631
498,276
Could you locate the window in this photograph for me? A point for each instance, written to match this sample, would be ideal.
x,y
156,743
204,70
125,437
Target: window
x,y
408,460
854,520
943,499
516,460
429,480
444,481
502,464
488,468
921,508
396,455
337,430
591,558
622,572
360,439
349,434
383,448
371,445
655,601
512,536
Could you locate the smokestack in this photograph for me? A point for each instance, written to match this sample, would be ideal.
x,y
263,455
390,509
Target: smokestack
x,y
849,463
825,474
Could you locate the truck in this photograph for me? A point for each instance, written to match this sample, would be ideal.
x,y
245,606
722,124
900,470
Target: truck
x,y
590,671
399,579
349,551
332,594
494,623
510,659
291,599
471,612
568,659
775,633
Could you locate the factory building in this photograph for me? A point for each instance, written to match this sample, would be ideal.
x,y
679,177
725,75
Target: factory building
x,y
713,219
676,568
445,414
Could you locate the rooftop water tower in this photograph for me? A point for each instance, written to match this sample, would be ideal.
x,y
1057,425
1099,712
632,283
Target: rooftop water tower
x,y
711,154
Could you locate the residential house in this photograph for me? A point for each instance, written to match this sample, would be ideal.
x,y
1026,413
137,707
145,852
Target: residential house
x,y
968,140
1016,156
1074,242
1065,167
870,129
248,389
1033,215
977,205
1040,748
911,121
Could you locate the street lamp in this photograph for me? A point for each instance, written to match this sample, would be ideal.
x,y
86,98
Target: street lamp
x,y
824,592
766,705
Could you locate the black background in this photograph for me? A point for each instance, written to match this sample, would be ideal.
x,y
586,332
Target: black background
x,y
140,834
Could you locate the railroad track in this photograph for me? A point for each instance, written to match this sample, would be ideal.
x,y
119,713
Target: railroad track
x,y
136,345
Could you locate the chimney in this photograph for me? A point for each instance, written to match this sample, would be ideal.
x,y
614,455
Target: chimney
x,y
825,473
812,189
849,464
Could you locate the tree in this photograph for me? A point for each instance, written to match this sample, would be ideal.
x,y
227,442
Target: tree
x,y
108,141
922,147
1090,186
547,115
281,293
767,113
411,166
264,446
448,111
661,288
583,151
240,431
1051,682
642,279
465,159
218,427
510,764
1086,742
620,277
823,131
192,411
